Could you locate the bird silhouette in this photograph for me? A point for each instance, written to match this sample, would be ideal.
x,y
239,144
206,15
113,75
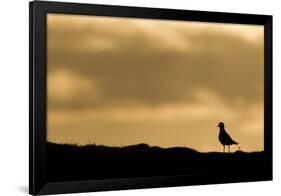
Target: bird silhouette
x,y
224,138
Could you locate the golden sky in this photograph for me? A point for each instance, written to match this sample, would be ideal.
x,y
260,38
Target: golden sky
x,y
120,81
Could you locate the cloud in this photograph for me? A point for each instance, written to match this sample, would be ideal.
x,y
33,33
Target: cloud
x,y
157,61
66,87
206,105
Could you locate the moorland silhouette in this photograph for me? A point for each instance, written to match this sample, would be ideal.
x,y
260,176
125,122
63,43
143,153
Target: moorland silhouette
x,y
66,162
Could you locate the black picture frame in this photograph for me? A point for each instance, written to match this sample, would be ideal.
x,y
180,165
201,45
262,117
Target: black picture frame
x,y
37,97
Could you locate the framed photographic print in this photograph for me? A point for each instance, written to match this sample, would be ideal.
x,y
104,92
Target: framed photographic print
x,y
132,97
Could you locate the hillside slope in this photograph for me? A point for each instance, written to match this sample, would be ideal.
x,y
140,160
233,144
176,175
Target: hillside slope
x,y
69,162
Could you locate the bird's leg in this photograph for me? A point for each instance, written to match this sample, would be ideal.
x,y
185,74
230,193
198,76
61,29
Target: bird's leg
x,y
223,149
228,149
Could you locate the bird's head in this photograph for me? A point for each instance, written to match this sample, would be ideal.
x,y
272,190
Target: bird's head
x,y
221,125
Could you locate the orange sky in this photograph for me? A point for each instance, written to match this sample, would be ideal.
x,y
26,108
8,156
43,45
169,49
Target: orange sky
x,y
120,81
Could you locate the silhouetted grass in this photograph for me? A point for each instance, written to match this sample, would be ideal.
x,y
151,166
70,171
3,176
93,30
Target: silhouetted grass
x,y
71,162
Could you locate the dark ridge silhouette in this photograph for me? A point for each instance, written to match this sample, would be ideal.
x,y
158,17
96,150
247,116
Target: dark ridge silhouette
x,y
71,162
225,138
